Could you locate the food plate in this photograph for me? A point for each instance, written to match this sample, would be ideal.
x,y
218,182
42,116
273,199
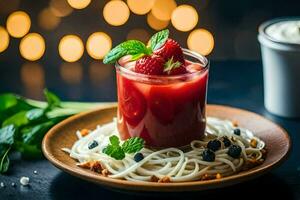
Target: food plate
x,y
63,135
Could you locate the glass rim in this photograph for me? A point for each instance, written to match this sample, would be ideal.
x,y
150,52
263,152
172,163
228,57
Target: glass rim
x,y
262,30
202,60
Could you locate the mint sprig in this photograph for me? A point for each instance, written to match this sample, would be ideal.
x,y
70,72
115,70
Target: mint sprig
x,y
131,145
130,47
136,48
159,39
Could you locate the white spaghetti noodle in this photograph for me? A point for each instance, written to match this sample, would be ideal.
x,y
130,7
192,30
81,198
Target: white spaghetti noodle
x,y
175,164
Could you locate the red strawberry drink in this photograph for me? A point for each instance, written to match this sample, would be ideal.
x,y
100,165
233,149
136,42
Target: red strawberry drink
x,y
162,94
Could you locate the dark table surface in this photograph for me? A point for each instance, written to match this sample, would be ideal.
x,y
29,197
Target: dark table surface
x,y
234,83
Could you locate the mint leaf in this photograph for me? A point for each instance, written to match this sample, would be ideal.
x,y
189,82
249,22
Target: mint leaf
x,y
114,149
7,135
35,114
133,145
33,134
18,119
114,140
130,47
7,101
115,152
158,39
11,104
137,56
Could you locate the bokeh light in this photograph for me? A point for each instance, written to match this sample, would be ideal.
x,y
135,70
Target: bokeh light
x,y
33,79
162,9
98,72
71,73
155,23
8,6
201,41
47,20
60,8
98,45
138,34
140,7
71,48
18,24
4,38
116,12
79,4
184,18
32,46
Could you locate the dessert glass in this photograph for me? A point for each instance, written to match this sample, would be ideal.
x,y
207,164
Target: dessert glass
x,y
166,111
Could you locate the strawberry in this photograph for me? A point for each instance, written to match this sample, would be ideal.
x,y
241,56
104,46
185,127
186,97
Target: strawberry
x,y
150,65
170,49
174,68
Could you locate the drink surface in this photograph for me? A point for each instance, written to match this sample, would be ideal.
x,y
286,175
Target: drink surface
x,y
168,114
285,31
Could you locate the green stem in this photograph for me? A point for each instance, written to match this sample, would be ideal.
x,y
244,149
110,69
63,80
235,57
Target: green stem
x,y
72,105
4,166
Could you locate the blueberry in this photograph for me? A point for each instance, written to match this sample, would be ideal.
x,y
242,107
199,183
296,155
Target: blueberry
x,y
138,157
214,145
237,131
93,144
208,155
234,151
226,141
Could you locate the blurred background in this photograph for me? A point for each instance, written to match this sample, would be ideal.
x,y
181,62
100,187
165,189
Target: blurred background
x,y
59,44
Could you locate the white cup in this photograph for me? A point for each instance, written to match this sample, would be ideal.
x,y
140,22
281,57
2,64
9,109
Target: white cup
x,y
281,70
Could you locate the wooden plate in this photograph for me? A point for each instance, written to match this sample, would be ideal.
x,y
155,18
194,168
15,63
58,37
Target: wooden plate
x,y
63,135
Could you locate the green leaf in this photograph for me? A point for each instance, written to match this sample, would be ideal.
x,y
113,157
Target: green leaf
x,y
114,149
52,99
35,114
130,47
133,145
170,65
115,152
17,119
23,118
7,134
34,134
158,39
11,104
4,161
137,56
7,101
114,140
29,151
